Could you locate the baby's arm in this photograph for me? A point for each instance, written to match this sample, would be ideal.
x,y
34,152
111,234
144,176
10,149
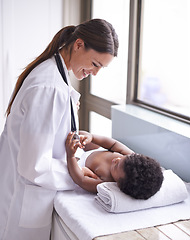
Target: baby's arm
x,y
85,178
96,141
107,143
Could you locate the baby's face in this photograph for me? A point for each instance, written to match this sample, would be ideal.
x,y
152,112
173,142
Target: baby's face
x,y
117,165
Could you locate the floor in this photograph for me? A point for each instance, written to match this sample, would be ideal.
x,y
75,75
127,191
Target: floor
x,y
176,231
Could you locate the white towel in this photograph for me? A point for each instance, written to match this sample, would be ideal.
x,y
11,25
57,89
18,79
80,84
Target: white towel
x,y
173,190
88,220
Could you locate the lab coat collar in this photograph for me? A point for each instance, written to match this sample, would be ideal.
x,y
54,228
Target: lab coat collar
x,y
74,94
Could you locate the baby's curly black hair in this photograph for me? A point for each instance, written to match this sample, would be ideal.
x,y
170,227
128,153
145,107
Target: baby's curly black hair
x,y
143,176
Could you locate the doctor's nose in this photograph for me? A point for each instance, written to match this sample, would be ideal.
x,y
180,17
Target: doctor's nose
x,y
95,71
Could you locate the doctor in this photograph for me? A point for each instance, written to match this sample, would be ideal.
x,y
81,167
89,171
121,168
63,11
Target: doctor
x,y
32,145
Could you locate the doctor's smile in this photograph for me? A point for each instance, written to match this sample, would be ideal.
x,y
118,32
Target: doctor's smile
x,y
84,62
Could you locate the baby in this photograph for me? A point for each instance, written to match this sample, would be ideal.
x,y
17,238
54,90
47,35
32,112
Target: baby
x,y
136,175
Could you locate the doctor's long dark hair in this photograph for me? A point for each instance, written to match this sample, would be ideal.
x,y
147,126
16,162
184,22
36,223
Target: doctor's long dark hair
x,y
97,34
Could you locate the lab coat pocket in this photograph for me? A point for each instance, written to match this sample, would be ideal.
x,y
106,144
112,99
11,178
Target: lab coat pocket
x,y
37,207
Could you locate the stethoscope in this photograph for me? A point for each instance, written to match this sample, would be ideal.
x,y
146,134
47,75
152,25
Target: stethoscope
x,y
62,72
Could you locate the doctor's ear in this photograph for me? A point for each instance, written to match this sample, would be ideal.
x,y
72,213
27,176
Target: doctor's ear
x,y
79,43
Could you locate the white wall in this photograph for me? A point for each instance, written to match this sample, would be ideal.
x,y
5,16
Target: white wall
x,y
26,28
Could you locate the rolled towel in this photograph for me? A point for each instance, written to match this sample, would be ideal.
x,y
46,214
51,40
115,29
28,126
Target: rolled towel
x,y
173,190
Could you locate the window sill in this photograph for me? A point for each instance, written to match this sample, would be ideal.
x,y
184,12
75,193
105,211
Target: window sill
x,y
158,136
157,119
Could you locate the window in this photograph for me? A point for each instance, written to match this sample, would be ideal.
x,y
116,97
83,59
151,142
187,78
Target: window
x,y
104,124
164,56
113,79
155,63
110,84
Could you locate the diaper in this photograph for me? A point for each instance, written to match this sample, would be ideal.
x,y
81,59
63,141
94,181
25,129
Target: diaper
x,y
84,155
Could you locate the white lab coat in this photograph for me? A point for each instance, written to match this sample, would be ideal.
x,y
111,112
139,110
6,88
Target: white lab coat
x,y
32,154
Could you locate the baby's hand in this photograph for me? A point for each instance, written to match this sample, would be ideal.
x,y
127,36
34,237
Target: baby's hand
x,y
85,137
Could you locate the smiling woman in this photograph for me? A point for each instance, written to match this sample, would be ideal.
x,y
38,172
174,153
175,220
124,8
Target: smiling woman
x,y
40,115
